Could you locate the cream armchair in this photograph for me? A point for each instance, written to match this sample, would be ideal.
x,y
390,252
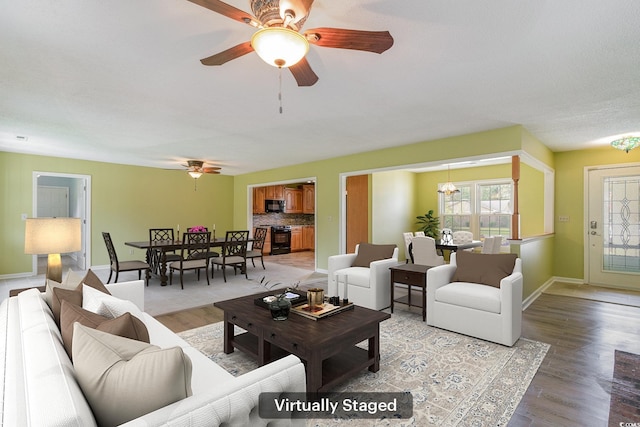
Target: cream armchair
x,y
364,286
460,298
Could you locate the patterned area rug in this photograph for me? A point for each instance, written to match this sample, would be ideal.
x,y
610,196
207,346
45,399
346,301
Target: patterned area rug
x,y
455,380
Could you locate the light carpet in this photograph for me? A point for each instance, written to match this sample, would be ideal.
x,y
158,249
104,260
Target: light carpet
x,y
455,380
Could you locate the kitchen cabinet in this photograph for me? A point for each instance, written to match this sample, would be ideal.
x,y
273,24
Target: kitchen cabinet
x,y
274,192
296,238
308,199
308,237
293,200
258,200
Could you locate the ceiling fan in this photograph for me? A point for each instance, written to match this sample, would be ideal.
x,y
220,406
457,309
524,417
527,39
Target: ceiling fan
x,y
195,168
279,41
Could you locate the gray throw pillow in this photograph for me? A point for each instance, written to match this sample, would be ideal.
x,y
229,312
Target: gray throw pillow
x,y
123,379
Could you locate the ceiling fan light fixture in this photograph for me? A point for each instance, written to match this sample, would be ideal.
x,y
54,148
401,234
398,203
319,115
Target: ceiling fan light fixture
x,y
627,143
195,174
279,46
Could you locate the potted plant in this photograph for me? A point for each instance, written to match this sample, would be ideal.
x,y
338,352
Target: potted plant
x,y
279,304
429,224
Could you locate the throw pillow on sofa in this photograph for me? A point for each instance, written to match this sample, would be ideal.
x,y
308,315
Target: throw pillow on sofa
x,y
75,296
107,305
123,379
126,325
486,269
70,281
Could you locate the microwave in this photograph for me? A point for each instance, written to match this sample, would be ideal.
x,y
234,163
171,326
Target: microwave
x,y
274,205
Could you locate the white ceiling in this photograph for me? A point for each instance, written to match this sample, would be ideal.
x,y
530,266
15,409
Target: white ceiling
x,y
120,81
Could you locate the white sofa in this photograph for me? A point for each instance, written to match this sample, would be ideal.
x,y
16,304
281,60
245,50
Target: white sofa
x,y
38,387
486,312
367,287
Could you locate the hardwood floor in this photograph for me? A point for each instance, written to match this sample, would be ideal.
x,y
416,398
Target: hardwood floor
x,y
573,385
574,382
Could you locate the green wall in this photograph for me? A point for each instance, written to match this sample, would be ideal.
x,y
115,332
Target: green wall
x,y
531,192
126,201
569,201
327,174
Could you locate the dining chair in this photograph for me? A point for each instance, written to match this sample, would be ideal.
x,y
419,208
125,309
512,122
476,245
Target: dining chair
x,y
487,245
194,255
259,237
424,251
161,235
497,244
118,266
233,254
407,241
419,233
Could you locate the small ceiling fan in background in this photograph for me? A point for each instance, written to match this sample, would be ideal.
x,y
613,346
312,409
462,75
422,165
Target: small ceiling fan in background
x,y
279,42
195,169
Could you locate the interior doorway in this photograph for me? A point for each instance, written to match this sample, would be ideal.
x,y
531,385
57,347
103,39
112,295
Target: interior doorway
x,y
357,211
612,252
64,195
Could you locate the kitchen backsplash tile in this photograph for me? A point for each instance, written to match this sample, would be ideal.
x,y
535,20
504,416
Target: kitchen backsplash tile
x,y
268,219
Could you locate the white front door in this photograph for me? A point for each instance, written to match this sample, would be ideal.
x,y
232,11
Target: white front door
x,y
613,227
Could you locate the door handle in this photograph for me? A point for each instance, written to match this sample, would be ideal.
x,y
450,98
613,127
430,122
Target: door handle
x,y
593,233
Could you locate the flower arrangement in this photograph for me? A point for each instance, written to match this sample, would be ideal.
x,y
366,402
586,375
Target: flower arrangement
x,y
279,304
197,229
268,285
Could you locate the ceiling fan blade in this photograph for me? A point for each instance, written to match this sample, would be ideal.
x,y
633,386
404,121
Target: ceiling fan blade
x,y
303,73
228,11
229,54
211,170
369,41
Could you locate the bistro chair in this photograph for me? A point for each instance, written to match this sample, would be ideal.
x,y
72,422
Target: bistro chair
x,y
119,266
407,244
234,253
194,255
259,237
423,251
155,255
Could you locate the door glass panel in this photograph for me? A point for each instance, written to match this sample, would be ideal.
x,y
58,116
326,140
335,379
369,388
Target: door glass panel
x,y
621,224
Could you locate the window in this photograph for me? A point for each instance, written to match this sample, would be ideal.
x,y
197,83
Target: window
x,y
482,207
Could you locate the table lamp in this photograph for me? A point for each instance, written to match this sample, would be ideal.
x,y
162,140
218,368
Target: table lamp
x,y
52,236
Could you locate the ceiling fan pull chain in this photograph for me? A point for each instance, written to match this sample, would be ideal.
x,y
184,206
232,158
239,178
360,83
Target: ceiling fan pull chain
x,y
280,87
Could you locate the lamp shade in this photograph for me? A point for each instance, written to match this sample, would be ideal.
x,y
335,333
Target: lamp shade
x,y
52,235
280,47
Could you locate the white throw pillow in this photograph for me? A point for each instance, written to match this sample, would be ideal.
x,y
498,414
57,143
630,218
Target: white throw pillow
x,y
107,305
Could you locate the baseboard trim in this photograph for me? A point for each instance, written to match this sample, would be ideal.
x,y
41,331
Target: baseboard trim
x,y
534,296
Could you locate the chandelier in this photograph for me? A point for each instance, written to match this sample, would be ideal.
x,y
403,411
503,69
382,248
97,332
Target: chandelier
x,y
448,188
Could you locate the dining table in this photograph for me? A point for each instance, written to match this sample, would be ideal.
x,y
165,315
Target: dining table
x,y
452,247
159,264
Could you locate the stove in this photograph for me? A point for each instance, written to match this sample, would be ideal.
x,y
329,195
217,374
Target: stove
x,y
280,239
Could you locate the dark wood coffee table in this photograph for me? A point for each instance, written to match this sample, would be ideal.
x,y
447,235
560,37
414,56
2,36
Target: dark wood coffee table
x,y
326,346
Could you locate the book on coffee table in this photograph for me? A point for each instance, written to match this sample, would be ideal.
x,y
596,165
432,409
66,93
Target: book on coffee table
x,y
316,313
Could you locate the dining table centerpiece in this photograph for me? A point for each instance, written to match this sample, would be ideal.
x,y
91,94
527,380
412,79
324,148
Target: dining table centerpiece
x,y
197,229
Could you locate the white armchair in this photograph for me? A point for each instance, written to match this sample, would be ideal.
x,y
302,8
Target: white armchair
x,y
483,311
364,286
